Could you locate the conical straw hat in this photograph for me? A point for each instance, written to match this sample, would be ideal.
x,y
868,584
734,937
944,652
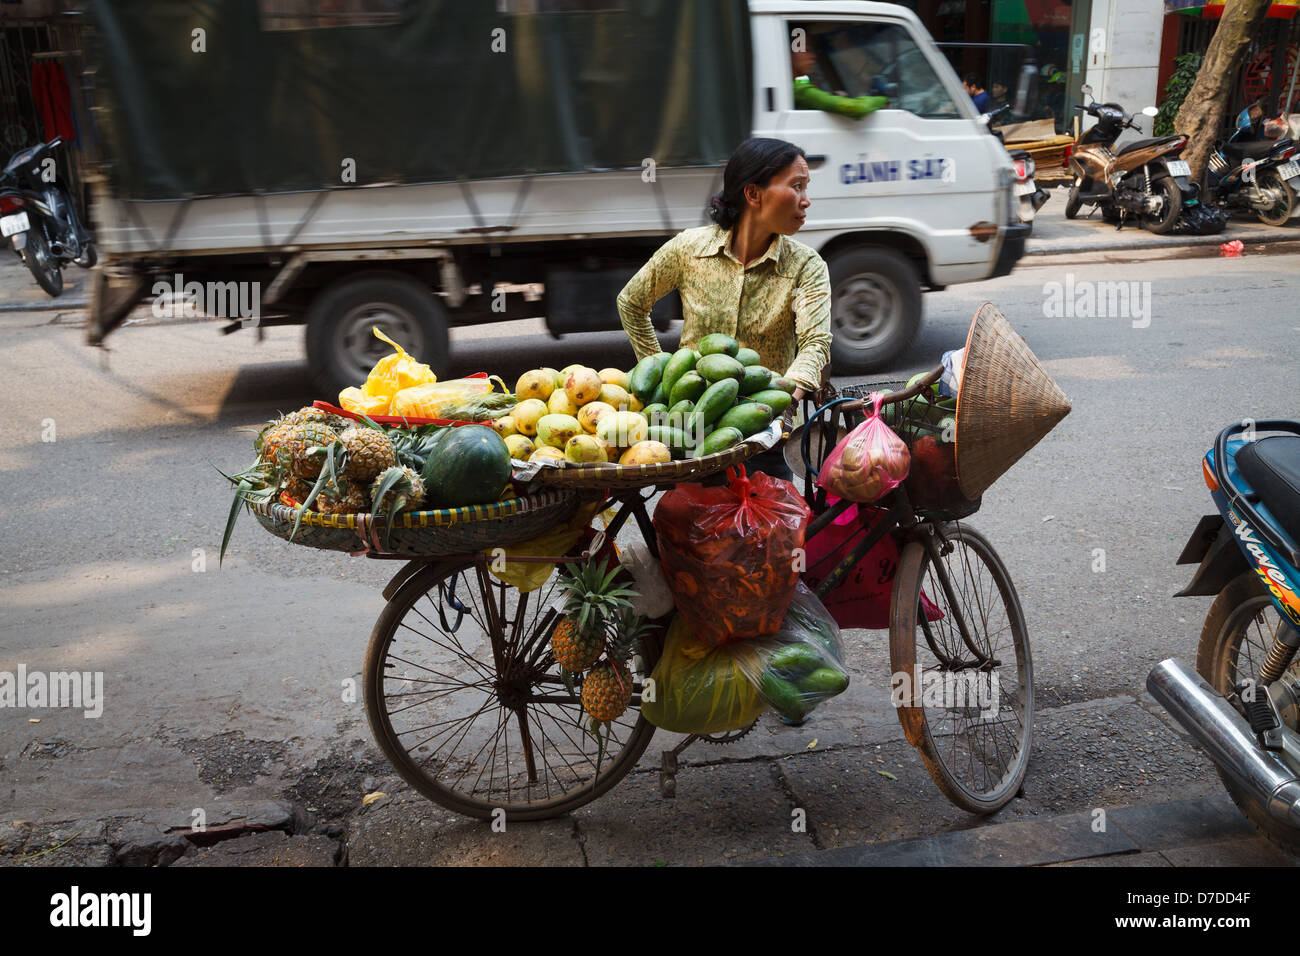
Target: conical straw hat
x,y
1006,404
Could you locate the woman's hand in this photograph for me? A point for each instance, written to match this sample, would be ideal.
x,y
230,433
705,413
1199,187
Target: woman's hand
x,y
799,393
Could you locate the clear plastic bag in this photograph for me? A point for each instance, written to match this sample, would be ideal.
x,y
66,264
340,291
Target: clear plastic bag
x,y
700,688
435,399
800,665
729,553
870,462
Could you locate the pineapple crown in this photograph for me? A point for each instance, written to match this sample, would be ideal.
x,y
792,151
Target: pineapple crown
x,y
629,629
593,596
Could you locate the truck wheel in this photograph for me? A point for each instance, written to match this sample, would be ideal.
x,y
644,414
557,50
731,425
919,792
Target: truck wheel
x,y
875,308
341,344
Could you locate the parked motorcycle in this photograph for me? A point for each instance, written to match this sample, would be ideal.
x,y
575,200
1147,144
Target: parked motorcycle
x,y
40,220
1144,178
1257,176
1028,193
1243,705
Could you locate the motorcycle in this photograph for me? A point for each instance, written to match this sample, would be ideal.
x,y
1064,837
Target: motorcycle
x,y
1144,178
40,220
1257,176
1243,704
1029,194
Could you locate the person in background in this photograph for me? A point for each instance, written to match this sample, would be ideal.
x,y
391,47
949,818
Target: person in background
x,y
998,95
975,90
808,95
745,277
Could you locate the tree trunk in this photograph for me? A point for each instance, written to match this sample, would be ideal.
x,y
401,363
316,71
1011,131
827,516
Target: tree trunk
x,y
1202,111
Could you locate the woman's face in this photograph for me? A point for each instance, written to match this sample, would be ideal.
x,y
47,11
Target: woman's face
x,y
783,204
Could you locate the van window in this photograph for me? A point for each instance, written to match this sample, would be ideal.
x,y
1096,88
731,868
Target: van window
x,y
869,59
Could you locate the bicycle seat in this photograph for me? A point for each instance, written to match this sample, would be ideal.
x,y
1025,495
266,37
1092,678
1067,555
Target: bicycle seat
x,y
1145,144
1272,466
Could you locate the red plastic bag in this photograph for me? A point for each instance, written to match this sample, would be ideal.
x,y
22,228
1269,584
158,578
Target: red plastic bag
x,y
862,598
870,462
729,554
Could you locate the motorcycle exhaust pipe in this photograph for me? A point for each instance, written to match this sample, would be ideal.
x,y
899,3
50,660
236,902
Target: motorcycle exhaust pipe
x,y
1227,738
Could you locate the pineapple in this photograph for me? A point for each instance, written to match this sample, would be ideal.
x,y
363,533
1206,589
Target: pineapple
x,y
343,498
397,489
296,488
272,436
607,690
296,449
369,454
579,638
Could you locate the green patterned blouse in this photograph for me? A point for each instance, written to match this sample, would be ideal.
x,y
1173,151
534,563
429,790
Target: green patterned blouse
x,y
780,306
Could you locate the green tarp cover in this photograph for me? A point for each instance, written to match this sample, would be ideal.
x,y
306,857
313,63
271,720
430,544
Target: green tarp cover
x,y
431,97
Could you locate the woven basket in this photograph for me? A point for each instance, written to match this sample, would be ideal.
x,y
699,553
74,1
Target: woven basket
x,y
640,476
1006,404
422,533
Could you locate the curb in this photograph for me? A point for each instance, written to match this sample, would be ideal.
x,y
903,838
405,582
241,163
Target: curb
x,y
1177,828
1159,242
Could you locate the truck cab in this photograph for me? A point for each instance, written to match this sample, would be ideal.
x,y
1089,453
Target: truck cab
x,y
914,196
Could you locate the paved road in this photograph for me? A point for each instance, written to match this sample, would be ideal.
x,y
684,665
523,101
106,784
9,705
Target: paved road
x,y
225,684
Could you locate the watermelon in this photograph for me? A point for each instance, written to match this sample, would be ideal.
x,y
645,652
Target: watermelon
x,y
470,466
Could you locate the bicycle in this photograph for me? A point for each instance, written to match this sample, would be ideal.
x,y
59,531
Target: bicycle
x,y
455,646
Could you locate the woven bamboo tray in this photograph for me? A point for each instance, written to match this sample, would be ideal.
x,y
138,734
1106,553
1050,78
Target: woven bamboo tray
x,y
641,476
424,533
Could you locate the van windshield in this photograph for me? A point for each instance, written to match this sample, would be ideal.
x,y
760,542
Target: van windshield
x,y
874,59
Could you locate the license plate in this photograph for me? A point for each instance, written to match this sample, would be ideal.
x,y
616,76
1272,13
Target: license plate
x,y
1289,170
11,225
1024,189
1178,167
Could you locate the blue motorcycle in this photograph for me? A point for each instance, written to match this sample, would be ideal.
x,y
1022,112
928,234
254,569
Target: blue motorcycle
x,y
1243,704
1253,174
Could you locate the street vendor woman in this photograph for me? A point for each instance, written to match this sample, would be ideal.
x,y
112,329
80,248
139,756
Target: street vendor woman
x,y
744,276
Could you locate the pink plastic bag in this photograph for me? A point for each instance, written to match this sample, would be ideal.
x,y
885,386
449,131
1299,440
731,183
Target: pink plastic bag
x,y
862,598
869,463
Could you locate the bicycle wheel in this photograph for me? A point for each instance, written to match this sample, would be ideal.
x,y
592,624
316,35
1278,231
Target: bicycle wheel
x,y
963,674
467,702
1240,628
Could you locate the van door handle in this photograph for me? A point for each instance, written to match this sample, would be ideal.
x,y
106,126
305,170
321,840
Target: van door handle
x,y
817,160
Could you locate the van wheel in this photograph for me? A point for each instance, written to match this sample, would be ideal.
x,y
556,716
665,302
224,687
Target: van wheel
x,y
875,308
341,344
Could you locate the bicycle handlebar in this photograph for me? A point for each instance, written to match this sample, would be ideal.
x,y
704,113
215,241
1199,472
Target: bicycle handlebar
x,y
890,398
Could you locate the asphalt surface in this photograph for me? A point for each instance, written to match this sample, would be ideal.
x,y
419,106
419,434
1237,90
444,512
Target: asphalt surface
x,y
224,683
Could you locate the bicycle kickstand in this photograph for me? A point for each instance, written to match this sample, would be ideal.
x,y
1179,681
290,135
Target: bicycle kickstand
x,y
668,767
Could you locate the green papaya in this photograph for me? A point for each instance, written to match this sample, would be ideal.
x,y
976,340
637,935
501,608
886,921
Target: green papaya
x,y
747,419
683,408
783,696
755,379
689,387
683,361
719,440
713,403
714,368
747,357
645,378
823,682
674,438
719,344
794,661
774,399
784,384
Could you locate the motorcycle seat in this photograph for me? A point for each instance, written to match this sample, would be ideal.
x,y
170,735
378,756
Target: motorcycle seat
x,y
1272,467
1241,151
1145,144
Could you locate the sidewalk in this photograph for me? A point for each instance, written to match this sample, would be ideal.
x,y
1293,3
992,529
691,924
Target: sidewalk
x,y
1055,235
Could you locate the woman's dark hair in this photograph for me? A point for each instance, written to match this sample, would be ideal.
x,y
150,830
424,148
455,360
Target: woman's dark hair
x,y
755,161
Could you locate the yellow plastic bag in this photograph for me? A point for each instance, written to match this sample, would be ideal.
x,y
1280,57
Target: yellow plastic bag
x,y
702,689
359,403
527,576
392,373
432,400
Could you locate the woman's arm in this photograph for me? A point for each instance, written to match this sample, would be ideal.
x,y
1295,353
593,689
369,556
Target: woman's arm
x,y
655,280
812,325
